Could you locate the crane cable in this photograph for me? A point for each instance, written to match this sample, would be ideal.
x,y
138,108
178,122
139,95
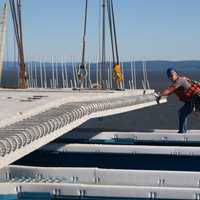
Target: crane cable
x,y
84,33
15,7
111,30
114,30
117,73
103,50
82,71
15,23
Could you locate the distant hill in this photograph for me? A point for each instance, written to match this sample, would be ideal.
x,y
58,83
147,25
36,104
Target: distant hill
x,y
155,65
189,68
163,65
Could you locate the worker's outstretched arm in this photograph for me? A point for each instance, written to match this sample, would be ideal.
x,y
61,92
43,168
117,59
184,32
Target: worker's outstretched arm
x,y
168,91
165,92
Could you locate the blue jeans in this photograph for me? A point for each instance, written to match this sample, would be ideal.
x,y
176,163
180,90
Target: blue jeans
x,y
183,116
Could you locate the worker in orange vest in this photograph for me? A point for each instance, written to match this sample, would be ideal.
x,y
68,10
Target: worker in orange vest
x,y
117,76
187,91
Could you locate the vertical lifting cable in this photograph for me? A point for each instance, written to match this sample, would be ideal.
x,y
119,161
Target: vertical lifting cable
x,y
13,13
15,6
114,31
84,34
98,69
103,43
15,22
82,72
12,8
117,72
22,63
20,29
111,29
15,48
102,47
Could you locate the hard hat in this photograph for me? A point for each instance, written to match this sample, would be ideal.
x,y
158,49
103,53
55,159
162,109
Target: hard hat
x,y
170,71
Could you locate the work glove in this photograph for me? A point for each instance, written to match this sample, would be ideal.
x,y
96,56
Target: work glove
x,y
157,96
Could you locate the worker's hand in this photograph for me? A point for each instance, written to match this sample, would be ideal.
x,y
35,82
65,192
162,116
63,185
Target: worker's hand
x,y
158,97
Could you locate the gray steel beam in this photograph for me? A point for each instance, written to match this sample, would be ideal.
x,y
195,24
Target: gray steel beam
x,y
123,149
95,182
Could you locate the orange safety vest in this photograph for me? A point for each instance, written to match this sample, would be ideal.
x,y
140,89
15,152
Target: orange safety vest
x,y
117,72
186,95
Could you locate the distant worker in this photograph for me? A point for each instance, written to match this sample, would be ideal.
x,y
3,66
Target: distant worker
x,y
117,76
81,73
188,91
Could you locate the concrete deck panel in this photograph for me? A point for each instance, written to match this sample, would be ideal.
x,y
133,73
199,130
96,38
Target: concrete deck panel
x,y
34,118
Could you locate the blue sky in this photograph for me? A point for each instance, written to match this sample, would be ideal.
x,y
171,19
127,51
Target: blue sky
x,y
147,29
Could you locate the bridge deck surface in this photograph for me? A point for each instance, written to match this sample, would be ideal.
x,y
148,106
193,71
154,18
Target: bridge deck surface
x,y
34,118
16,105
